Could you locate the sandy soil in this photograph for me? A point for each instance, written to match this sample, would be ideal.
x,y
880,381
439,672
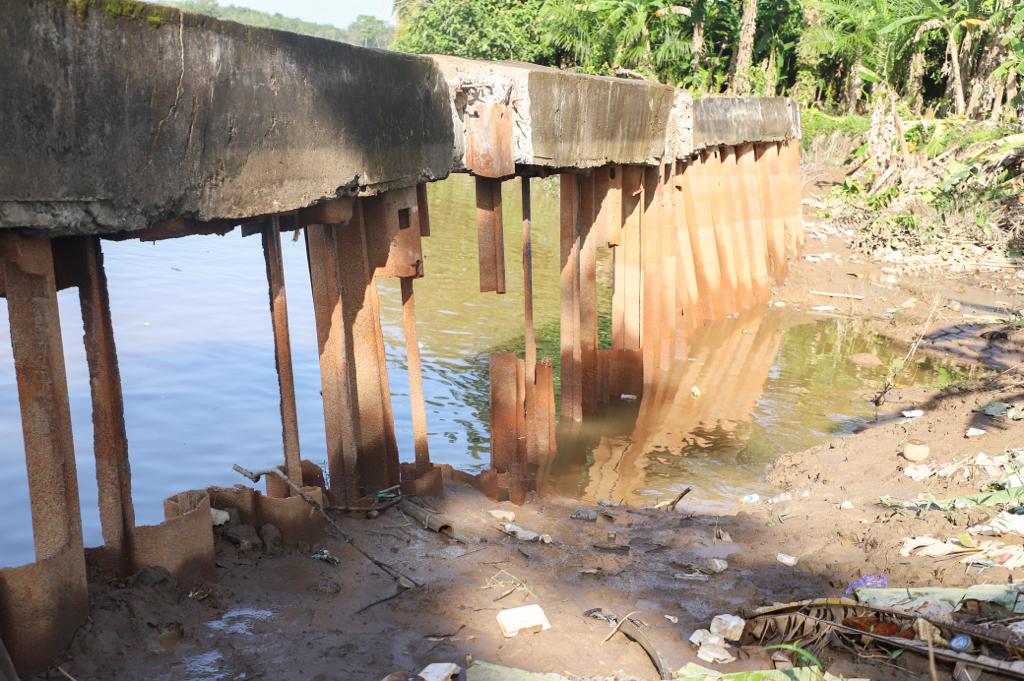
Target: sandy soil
x,y
291,617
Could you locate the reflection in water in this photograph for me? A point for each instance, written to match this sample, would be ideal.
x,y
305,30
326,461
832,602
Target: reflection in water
x,y
754,387
197,366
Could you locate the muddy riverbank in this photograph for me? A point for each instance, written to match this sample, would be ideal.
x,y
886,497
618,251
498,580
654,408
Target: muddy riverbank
x,y
281,614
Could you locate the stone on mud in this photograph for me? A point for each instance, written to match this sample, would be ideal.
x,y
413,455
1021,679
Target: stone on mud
x,y
273,544
243,536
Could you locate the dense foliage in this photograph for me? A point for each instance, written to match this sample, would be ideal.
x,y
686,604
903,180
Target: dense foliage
x,y
365,31
955,57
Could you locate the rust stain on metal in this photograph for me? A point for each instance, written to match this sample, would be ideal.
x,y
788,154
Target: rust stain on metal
x,y
490,235
282,349
335,376
412,353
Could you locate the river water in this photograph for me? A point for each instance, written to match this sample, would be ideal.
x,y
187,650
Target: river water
x,y
200,390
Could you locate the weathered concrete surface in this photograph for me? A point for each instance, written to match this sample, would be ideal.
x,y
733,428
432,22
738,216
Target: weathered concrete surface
x,y
735,120
121,116
565,120
118,122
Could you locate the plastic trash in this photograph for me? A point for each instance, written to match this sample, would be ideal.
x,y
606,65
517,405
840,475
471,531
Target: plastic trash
x,y
974,432
913,413
718,565
690,576
529,618
750,499
729,627
780,498
503,515
588,514
960,643
695,392
326,556
787,559
868,582
523,534
846,505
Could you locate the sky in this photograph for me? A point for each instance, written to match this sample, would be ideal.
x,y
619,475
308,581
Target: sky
x,y
341,13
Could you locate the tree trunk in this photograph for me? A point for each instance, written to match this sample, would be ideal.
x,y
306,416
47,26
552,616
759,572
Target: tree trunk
x,y
739,66
983,80
915,81
770,75
697,44
955,76
854,87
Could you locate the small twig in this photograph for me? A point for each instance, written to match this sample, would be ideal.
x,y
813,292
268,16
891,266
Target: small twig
x,y
679,497
851,296
931,660
66,675
617,625
380,600
890,381
404,582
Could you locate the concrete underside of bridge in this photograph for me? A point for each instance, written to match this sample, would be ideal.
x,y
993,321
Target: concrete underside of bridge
x,y
125,120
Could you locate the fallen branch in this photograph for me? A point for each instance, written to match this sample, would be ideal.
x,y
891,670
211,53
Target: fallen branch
x,y
851,296
890,380
404,582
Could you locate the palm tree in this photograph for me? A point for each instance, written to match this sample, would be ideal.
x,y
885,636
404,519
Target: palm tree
x,y
641,35
739,66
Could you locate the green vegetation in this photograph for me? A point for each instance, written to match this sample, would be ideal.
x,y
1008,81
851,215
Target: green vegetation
x,y
959,58
365,31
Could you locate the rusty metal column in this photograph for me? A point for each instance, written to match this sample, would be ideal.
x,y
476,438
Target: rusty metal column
x,y
43,393
271,235
588,295
342,457
747,167
571,371
767,173
533,418
412,353
110,443
490,235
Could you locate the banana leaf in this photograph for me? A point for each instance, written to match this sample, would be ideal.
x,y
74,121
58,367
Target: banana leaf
x,y
694,672
1014,495
816,623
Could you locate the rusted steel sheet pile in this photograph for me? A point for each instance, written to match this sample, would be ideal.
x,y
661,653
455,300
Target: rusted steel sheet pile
x,y
153,124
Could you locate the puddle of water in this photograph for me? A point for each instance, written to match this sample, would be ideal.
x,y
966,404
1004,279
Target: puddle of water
x,y
200,389
240,620
769,382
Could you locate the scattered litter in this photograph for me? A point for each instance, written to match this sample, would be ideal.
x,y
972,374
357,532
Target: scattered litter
x,y
694,672
587,514
750,499
918,472
823,308
718,565
995,409
787,559
846,505
528,618
915,450
1004,523
868,582
974,432
626,397
695,576
985,553
780,498
633,629
219,517
960,642
671,618
326,556
711,647
611,546
523,534
440,671
1014,495
503,515
729,627
723,536
913,413
695,392
607,503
